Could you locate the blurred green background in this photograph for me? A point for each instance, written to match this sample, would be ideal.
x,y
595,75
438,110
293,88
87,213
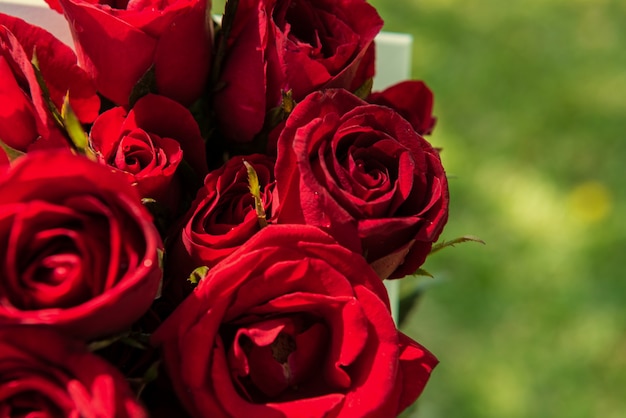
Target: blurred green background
x,y
531,104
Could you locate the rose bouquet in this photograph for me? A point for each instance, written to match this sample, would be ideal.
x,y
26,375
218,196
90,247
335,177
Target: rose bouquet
x,y
197,217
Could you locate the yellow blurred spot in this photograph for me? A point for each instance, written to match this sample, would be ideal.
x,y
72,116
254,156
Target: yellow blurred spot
x,y
590,201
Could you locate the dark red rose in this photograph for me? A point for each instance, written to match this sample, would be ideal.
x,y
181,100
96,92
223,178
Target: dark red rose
x,y
361,172
411,99
25,120
79,251
281,45
291,322
223,216
45,374
118,42
149,142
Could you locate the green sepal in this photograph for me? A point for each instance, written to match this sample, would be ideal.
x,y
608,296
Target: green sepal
x,y
136,340
287,103
153,372
278,114
408,300
66,119
253,181
161,258
422,272
12,153
365,89
161,264
452,243
150,375
145,85
75,130
160,214
132,339
198,274
100,344
255,191
45,92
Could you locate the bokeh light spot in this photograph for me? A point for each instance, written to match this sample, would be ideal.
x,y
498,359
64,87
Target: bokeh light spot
x,y
590,201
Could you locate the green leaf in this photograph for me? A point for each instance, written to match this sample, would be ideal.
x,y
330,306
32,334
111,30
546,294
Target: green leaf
x,y
198,274
12,153
145,85
452,243
255,191
75,130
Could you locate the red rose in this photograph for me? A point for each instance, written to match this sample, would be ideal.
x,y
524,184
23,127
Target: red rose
x,y
117,46
291,322
46,374
221,219
282,45
361,172
411,99
79,251
223,215
4,161
149,142
24,116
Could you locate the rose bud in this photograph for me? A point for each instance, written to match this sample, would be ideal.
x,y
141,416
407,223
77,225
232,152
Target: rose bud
x,y
25,120
119,45
276,46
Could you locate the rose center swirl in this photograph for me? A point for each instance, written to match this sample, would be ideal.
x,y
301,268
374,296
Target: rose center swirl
x,y
276,358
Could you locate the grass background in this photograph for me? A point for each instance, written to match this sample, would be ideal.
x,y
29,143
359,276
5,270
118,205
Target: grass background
x,y
531,101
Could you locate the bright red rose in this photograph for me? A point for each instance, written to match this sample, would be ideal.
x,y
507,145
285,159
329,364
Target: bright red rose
x,y
411,99
45,374
149,142
118,45
291,322
25,120
79,251
361,172
281,45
